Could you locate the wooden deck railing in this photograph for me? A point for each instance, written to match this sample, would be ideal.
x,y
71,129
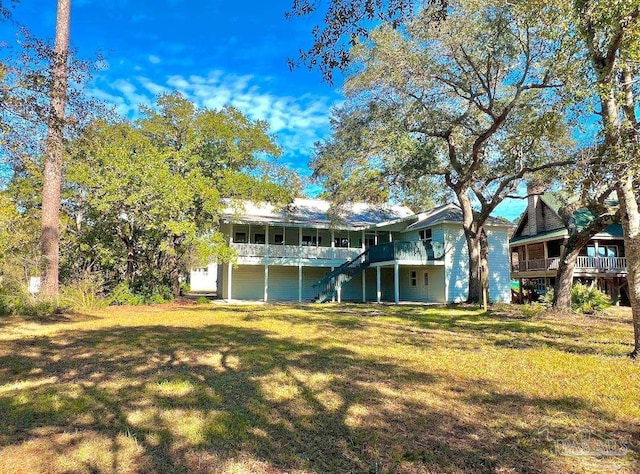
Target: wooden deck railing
x,y
613,264
295,251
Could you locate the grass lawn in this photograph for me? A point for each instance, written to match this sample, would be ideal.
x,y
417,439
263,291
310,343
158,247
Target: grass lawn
x,y
318,388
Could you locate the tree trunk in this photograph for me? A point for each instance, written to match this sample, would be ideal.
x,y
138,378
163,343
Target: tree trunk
x,y
484,265
52,176
131,262
174,277
631,225
564,278
475,265
472,237
174,267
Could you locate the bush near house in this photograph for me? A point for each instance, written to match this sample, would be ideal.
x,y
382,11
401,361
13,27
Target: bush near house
x,y
585,299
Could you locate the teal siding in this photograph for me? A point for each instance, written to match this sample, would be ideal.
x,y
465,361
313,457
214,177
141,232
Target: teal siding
x,y
456,264
499,275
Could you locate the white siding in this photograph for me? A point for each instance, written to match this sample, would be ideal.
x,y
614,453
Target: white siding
x,y
456,264
433,292
247,282
499,276
283,283
201,279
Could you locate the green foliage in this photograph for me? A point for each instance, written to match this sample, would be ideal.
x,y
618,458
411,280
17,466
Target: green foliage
x,y
585,299
145,293
15,300
588,299
84,294
144,198
122,295
202,300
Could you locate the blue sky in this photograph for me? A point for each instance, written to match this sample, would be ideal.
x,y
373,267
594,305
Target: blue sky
x,y
215,53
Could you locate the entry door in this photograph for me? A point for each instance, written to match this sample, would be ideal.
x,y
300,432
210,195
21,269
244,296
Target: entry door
x,y
425,285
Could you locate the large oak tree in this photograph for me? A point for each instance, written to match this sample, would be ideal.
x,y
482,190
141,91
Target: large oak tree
x,y
471,100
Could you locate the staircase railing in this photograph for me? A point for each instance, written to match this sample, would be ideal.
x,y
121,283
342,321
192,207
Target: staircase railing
x,y
326,287
421,250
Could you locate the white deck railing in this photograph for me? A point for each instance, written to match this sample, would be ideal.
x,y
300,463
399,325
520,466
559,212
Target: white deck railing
x,y
614,264
295,251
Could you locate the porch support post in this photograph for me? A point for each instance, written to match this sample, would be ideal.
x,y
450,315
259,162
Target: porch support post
x,y
333,295
300,283
229,280
266,241
364,286
378,292
230,266
339,293
396,281
266,282
333,245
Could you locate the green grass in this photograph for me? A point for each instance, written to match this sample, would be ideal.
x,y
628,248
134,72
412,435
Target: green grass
x,y
318,388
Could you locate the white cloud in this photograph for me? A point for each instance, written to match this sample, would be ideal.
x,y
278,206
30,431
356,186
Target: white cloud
x,y
297,122
153,59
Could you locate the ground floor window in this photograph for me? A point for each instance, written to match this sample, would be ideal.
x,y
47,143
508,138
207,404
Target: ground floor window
x,y
414,278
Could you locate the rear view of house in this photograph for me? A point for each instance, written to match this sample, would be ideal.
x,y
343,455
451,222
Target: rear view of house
x,y
371,254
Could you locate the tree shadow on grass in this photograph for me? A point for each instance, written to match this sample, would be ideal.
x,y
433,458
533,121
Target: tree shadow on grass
x,y
171,399
417,325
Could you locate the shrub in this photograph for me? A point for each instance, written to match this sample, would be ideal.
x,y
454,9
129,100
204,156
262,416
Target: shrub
x,y
202,300
146,294
84,294
588,299
14,300
122,294
585,299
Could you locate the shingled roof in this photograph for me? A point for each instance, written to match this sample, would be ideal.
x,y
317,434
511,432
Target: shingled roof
x,y
316,212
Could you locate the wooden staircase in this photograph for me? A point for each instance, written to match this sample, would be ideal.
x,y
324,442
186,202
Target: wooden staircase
x,y
419,252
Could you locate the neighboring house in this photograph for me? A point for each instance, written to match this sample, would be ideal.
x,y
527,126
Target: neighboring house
x,y
373,254
538,241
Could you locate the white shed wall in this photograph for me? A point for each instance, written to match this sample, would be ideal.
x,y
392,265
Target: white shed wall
x,y
206,280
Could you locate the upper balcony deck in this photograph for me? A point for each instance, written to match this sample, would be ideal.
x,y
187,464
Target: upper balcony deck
x,y
585,266
418,252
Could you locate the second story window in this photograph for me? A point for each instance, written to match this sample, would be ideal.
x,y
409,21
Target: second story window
x,y
311,240
258,238
278,239
341,242
240,238
425,234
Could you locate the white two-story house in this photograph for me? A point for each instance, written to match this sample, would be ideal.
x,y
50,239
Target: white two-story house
x,y
373,254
